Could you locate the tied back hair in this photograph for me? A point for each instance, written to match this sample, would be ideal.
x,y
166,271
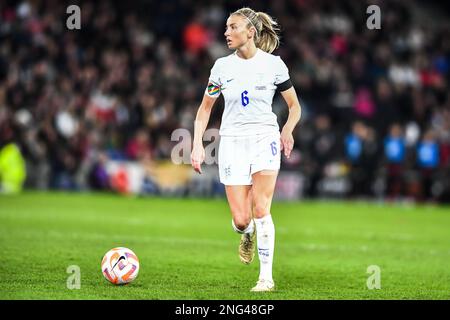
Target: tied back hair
x,y
267,29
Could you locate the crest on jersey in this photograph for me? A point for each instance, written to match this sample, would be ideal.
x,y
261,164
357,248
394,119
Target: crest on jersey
x,y
260,81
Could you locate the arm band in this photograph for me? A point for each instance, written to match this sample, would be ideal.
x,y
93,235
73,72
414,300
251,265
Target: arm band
x,y
284,86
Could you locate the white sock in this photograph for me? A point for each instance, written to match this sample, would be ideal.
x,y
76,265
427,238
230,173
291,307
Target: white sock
x,y
250,228
265,237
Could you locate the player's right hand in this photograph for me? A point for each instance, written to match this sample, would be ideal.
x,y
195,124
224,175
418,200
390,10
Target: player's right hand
x,y
197,158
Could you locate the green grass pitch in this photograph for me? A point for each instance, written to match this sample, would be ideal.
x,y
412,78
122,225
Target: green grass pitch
x,y
188,250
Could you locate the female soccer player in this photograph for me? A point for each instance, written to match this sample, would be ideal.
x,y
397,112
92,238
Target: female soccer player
x,y
250,141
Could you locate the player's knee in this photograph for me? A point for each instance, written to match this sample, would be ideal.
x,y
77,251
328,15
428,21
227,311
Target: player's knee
x,y
260,209
241,223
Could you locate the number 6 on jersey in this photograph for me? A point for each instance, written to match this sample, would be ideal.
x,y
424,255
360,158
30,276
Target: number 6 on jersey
x,y
273,145
244,98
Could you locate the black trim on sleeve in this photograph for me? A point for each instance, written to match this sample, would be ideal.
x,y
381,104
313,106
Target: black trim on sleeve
x,y
284,86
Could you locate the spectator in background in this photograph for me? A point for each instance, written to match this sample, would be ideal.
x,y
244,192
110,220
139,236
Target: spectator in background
x,y
428,162
440,123
98,176
395,153
364,105
370,160
322,149
12,164
139,147
353,142
353,151
386,111
361,148
196,37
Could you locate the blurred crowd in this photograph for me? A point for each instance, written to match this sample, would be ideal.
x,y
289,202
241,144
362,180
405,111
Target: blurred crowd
x,y
376,105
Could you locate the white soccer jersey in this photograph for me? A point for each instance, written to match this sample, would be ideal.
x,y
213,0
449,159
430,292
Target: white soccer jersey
x,y
248,87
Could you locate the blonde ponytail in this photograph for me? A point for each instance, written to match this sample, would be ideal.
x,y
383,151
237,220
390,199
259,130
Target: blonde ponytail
x,y
266,36
268,39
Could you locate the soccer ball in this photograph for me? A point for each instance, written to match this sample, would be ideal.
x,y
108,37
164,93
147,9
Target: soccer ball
x,y
120,265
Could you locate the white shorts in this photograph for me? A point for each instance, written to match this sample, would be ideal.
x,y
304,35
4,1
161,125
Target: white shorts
x,y
240,157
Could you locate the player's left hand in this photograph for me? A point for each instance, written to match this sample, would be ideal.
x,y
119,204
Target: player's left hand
x,y
286,142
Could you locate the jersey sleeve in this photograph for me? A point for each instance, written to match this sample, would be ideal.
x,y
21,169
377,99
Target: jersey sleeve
x,y
214,82
282,79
